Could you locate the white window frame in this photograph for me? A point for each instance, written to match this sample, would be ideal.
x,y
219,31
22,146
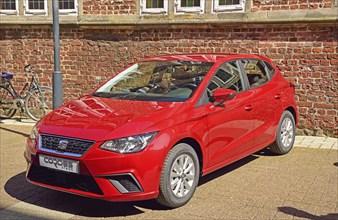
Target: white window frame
x,y
10,12
145,10
35,11
70,11
199,9
228,8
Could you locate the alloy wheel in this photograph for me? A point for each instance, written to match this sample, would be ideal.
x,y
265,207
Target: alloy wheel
x,y
287,132
182,175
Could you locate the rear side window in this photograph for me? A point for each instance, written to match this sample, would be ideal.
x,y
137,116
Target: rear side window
x,y
271,71
255,72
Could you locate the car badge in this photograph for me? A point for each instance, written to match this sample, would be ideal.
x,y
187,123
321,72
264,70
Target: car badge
x,y
62,145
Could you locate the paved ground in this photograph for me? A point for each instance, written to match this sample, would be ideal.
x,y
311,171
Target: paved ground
x,y
300,185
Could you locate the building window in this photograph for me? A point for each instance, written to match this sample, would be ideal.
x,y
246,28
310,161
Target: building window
x,y
68,6
229,5
8,6
154,6
196,6
35,7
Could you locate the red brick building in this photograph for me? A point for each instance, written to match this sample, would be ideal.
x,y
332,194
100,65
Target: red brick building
x,y
100,37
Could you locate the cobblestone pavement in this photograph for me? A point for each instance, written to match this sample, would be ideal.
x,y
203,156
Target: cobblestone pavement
x,y
300,185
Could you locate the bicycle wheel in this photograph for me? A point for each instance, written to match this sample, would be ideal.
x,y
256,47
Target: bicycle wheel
x,y
6,103
36,107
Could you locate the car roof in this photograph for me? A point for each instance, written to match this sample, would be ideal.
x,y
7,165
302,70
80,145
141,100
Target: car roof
x,y
205,57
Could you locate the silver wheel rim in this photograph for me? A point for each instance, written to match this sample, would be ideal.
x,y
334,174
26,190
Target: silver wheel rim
x,y
182,175
287,132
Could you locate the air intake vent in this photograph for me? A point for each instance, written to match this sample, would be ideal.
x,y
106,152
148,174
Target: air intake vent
x,y
64,180
125,183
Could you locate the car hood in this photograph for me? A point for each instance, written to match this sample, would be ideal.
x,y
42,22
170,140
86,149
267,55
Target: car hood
x,y
99,119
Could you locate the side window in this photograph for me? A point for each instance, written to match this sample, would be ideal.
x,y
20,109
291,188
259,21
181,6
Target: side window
x,y
9,7
68,6
271,71
228,77
196,6
255,72
35,7
154,6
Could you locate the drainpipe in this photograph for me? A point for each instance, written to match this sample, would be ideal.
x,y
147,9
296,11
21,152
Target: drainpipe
x,y
57,75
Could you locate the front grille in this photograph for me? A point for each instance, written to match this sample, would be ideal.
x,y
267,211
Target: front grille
x,y
64,180
74,146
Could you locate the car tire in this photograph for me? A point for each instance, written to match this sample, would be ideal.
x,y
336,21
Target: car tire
x,y
286,134
179,177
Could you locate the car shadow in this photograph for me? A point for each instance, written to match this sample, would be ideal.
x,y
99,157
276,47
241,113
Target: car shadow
x,y
266,152
19,188
306,215
227,169
14,131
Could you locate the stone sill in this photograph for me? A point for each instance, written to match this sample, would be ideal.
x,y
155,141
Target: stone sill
x,y
316,15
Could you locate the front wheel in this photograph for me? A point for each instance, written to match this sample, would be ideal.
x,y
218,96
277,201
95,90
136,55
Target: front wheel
x,y
38,104
285,135
7,109
179,177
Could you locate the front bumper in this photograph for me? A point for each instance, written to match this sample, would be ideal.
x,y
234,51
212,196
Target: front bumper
x,y
103,174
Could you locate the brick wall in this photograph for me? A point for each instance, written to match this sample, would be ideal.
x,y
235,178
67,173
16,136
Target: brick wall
x,y
274,5
306,54
108,7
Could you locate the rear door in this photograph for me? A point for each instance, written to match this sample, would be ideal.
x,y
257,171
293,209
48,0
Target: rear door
x,y
265,102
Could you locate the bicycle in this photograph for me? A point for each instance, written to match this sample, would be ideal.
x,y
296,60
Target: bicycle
x,y
37,102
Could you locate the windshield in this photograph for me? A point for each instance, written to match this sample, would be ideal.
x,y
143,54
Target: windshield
x,y
171,81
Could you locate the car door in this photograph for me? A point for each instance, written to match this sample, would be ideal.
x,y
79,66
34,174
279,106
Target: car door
x,y
229,127
264,103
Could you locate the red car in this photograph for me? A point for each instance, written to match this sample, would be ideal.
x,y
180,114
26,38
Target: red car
x,y
155,128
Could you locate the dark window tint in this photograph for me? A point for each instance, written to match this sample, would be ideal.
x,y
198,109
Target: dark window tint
x,y
228,2
154,4
255,72
36,4
190,3
7,5
271,71
66,4
228,77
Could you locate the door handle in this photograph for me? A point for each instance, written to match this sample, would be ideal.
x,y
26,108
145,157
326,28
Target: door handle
x,y
248,108
278,96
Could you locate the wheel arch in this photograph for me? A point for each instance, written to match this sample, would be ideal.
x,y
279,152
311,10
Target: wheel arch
x,y
293,112
197,147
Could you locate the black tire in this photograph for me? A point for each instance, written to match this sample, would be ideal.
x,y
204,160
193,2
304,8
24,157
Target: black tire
x,y
182,167
286,134
34,107
7,109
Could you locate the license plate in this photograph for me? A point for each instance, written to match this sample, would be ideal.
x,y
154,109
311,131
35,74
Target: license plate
x,y
58,163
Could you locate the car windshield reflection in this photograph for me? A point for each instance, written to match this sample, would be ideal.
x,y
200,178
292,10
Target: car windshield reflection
x,y
168,81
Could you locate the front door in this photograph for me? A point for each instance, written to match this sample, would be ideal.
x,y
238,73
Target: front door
x,y
229,127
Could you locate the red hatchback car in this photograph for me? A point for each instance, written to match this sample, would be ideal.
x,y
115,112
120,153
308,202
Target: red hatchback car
x,y
155,128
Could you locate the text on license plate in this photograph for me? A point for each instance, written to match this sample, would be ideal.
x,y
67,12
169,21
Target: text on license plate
x,y
58,163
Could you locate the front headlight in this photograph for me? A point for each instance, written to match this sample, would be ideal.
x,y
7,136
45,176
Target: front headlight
x,y
33,136
127,145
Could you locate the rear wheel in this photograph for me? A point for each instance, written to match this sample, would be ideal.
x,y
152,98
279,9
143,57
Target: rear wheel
x,y
285,135
38,105
179,177
7,109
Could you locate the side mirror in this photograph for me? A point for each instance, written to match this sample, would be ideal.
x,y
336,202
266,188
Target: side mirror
x,y
221,95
